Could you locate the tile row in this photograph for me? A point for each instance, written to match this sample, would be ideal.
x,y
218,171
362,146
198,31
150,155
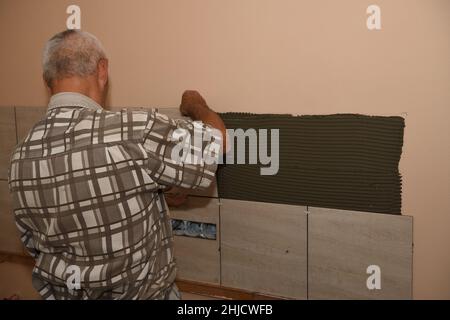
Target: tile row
x,y
295,252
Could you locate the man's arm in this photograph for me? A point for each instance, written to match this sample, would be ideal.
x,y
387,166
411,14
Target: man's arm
x,y
26,236
194,106
182,153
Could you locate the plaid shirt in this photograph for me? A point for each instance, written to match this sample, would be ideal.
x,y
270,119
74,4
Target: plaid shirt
x,y
87,196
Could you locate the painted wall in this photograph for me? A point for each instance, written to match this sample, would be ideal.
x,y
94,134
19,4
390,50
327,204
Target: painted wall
x,y
283,56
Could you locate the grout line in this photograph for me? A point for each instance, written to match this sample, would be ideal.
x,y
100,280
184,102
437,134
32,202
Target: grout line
x,y
202,196
220,242
197,237
412,259
15,125
307,253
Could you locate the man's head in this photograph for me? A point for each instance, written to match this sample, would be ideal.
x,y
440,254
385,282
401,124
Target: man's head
x,y
75,61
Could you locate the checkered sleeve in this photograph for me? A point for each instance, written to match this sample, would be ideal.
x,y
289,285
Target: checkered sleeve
x,y
181,152
27,239
26,233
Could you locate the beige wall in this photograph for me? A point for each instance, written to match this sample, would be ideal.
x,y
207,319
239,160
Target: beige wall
x,y
283,56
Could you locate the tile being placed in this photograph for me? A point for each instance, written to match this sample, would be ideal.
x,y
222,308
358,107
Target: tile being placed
x,y
198,259
264,248
9,234
351,254
7,139
26,118
210,192
173,113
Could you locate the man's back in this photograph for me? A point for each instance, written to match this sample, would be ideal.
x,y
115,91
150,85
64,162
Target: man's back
x,y
87,193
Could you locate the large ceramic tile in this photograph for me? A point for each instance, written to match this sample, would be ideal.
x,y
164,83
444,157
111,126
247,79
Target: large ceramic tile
x,y
173,113
198,209
210,192
193,296
198,259
264,247
26,118
344,246
9,234
7,139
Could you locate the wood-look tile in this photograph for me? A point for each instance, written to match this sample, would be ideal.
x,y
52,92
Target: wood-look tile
x,y
198,209
26,118
264,247
173,113
343,244
198,259
7,139
9,234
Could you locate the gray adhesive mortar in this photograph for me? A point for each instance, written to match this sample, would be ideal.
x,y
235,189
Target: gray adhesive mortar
x,y
342,161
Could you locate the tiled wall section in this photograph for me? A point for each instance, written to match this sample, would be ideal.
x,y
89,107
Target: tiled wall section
x,y
198,259
8,138
26,118
9,234
264,247
344,244
280,250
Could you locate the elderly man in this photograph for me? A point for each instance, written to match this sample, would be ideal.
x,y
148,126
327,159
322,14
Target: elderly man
x,y
87,183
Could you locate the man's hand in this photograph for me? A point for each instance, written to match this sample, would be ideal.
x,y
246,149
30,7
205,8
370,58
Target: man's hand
x,y
194,106
175,197
192,103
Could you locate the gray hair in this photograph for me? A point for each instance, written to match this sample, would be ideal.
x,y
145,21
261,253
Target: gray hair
x,y
71,53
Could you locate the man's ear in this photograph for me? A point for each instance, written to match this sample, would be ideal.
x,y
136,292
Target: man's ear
x,y
102,72
49,90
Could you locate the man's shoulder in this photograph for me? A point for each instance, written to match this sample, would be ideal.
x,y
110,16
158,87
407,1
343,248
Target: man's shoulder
x,y
129,110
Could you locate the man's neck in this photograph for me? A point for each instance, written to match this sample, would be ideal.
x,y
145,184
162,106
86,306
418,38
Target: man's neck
x,y
86,86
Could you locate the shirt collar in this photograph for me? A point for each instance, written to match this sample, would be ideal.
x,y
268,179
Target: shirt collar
x,y
72,99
